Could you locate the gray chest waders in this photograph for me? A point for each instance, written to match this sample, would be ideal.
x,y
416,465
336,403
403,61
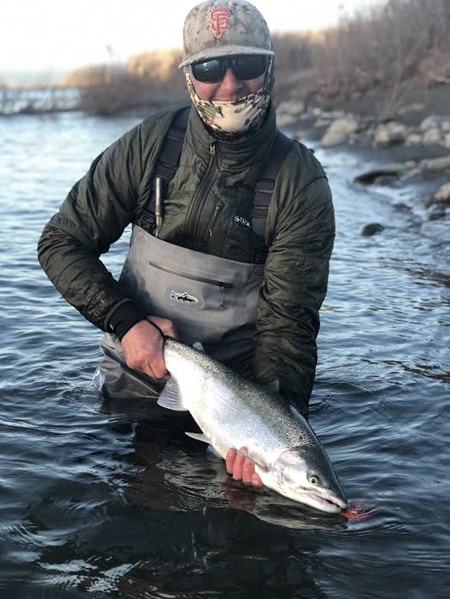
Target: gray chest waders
x,y
210,299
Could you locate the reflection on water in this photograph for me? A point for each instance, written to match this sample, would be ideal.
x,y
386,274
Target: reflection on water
x,y
112,499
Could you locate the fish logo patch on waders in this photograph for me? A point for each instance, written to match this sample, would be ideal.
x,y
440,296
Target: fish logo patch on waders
x,y
183,297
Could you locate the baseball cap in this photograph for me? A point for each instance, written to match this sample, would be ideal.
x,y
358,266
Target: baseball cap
x,y
223,28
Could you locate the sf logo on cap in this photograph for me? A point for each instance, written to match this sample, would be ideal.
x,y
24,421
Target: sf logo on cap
x,y
219,21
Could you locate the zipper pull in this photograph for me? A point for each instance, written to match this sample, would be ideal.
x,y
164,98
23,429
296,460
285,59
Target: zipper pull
x,y
212,148
216,212
159,214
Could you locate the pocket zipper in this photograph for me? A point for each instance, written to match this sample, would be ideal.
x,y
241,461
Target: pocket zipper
x,y
220,284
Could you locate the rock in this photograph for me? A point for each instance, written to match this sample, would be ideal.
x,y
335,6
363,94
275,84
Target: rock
x,y
339,131
414,139
321,123
437,213
442,195
289,111
385,175
389,134
435,121
374,176
333,138
371,229
436,165
347,124
432,137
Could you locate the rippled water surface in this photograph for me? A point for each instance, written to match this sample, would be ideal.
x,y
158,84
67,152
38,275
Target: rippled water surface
x,y
113,500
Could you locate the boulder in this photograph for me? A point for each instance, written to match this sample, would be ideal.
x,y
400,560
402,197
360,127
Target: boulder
x,y
339,131
371,229
289,112
436,165
432,137
389,134
442,195
435,121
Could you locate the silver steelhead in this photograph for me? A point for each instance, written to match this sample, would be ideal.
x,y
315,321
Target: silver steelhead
x,y
233,412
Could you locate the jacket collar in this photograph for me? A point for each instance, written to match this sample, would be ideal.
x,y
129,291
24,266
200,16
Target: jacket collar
x,y
240,152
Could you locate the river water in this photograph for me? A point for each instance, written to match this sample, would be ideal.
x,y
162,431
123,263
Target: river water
x,y
112,500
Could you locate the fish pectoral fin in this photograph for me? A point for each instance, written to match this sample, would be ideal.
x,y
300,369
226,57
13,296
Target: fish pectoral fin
x,y
170,397
210,450
197,436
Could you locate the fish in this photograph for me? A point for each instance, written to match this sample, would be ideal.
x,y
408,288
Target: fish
x,y
234,412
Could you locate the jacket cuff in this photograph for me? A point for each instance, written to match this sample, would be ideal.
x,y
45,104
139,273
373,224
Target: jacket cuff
x,y
122,317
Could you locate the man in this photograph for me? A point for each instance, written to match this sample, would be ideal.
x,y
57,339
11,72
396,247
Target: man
x,y
202,264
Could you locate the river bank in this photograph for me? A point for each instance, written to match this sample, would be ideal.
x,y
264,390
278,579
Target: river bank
x,y
407,154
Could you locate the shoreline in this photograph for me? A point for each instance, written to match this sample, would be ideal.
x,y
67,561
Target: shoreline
x,y
402,162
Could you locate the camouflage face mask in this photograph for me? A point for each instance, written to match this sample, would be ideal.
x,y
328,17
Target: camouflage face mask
x,y
230,118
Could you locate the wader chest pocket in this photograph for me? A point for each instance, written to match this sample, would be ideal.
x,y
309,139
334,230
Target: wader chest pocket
x,y
188,288
207,297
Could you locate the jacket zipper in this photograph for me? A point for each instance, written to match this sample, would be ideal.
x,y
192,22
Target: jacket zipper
x,y
220,284
206,183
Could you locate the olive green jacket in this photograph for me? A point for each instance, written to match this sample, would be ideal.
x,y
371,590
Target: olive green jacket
x,y
214,183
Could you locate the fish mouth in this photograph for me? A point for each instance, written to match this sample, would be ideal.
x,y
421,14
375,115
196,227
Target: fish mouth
x,y
326,503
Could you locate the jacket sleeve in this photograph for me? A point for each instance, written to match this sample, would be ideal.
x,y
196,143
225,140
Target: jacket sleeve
x,y
93,216
296,276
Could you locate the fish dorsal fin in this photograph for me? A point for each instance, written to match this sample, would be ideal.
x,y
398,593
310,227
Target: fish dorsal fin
x,y
170,397
198,346
296,413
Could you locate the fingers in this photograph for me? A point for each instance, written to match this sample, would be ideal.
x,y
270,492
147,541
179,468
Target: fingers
x,y
230,459
156,369
143,347
242,468
256,481
166,326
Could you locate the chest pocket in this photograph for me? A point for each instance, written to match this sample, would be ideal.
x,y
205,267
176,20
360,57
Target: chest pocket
x,y
233,232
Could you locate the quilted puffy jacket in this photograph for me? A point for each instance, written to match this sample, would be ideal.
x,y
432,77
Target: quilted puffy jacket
x,y
214,183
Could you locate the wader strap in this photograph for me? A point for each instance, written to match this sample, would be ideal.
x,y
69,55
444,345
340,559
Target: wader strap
x,y
172,145
166,166
264,187
263,194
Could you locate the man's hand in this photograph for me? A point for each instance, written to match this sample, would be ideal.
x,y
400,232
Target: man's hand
x,y
143,346
242,468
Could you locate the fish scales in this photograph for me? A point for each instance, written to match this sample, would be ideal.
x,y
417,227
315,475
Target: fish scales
x,y
234,412
251,399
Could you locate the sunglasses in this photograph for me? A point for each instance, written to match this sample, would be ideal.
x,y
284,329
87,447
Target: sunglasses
x,y
245,66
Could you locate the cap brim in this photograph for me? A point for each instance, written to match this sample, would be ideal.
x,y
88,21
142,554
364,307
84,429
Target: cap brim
x,y
218,51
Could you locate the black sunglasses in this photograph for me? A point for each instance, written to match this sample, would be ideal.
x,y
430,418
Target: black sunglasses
x,y
245,66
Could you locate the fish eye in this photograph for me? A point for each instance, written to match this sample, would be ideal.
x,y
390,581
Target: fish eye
x,y
313,479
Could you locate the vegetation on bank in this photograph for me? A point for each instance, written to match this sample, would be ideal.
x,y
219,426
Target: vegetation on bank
x,y
400,46
391,48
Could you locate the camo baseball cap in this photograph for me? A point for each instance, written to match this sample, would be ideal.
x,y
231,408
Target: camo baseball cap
x,y
222,28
